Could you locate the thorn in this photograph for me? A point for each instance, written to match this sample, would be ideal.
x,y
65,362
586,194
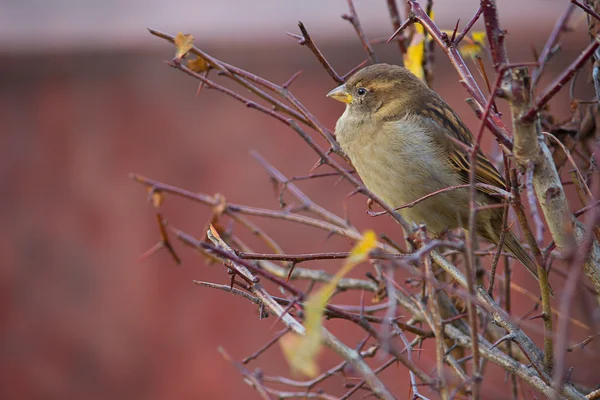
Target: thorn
x,y
150,252
338,180
319,162
454,346
165,239
504,338
406,23
543,316
292,79
346,212
285,311
352,193
353,70
329,236
201,85
289,275
455,29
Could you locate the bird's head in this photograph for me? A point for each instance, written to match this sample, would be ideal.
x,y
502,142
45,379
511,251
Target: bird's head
x,y
381,88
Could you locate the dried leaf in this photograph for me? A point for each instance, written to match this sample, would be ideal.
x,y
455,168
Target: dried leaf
x,y
183,43
198,64
156,197
301,351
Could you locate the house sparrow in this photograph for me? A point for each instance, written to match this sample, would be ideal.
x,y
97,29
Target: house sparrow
x,y
398,134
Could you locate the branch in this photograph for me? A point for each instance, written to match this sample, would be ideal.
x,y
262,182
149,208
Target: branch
x,y
306,40
559,82
329,340
547,52
353,19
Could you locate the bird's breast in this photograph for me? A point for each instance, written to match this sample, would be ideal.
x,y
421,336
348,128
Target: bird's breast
x,y
400,162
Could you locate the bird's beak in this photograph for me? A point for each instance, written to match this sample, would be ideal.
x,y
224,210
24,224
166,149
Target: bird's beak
x,y
340,94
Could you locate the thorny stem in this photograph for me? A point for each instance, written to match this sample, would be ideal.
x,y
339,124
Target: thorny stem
x,y
468,27
336,225
560,81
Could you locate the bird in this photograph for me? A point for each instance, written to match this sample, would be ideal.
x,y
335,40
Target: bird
x,y
406,142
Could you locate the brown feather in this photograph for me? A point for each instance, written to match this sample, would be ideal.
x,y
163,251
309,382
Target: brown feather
x,y
406,142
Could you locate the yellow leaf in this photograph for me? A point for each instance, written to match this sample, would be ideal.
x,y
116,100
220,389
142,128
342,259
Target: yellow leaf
x,y
198,64
479,37
361,251
413,59
183,43
472,45
301,351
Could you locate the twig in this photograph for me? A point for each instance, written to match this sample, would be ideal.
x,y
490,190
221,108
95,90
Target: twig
x,y
495,34
434,309
586,9
327,338
266,346
579,257
468,27
306,40
542,276
352,17
306,202
533,209
395,17
499,249
255,382
498,192
560,81
413,381
546,53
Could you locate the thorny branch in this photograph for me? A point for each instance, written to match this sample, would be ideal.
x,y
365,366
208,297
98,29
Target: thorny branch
x,y
435,288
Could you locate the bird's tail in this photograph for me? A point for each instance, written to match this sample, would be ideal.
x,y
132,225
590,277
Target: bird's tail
x,y
514,246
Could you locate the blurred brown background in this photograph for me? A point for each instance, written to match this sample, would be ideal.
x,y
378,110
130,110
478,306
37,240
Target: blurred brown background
x,y
85,99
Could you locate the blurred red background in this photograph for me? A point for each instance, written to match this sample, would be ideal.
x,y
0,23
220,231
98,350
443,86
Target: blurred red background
x,y
82,319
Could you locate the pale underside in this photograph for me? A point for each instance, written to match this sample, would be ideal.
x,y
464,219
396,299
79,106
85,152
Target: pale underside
x,y
402,161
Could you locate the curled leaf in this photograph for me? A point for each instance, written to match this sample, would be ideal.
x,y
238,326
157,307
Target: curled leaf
x,y
156,197
183,44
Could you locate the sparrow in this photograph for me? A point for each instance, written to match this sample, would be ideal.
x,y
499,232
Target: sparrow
x,y
405,142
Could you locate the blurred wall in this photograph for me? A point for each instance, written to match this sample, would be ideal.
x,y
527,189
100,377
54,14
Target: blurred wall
x,y
85,104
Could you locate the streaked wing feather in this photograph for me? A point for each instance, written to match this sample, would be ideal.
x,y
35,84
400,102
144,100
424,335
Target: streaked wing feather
x,y
440,114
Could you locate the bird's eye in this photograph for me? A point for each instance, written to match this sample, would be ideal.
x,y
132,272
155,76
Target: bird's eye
x,y
361,91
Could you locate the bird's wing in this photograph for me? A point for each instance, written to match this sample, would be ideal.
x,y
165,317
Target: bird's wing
x,y
447,122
